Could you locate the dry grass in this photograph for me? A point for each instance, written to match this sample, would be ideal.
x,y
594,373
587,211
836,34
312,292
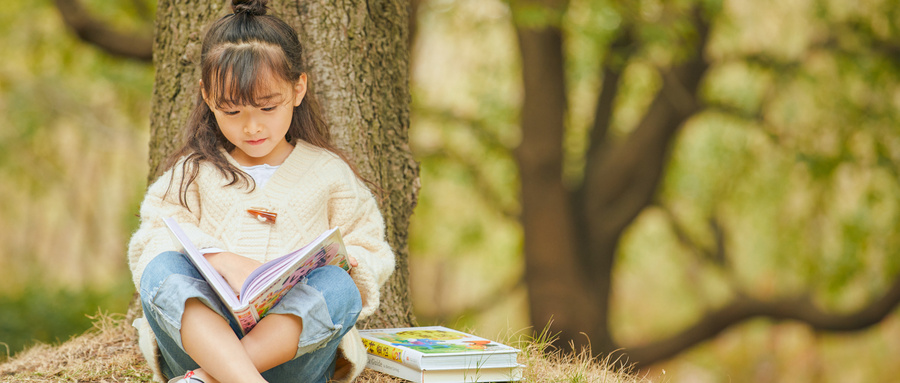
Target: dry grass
x,y
108,353
544,363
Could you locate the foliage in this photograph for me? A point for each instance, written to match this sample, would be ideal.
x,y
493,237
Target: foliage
x,y
71,173
463,128
807,124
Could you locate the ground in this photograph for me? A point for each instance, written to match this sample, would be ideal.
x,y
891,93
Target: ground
x,y
108,353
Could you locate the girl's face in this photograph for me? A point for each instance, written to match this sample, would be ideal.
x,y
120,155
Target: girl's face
x,y
258,133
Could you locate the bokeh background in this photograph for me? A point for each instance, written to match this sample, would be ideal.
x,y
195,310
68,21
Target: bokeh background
x,y
799,160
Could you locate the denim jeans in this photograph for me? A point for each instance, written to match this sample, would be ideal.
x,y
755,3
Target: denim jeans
x,y
327,301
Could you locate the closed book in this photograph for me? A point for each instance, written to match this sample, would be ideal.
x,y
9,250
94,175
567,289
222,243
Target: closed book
x,y
438,348
461,375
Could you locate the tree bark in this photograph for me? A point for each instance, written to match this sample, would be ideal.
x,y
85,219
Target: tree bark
x,y
357,57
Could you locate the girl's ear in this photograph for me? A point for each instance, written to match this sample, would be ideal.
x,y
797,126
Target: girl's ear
x,y
300,90
204,95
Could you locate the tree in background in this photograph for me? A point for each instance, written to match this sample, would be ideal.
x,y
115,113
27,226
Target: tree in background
x,y
839,70
358,59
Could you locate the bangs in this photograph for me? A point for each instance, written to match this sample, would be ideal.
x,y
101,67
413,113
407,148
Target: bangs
x,y
253,74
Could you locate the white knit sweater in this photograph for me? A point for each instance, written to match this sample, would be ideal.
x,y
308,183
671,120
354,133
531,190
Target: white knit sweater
x,y
312,191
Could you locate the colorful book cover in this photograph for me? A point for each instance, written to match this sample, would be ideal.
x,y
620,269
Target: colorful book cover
x,y
266,285
438,347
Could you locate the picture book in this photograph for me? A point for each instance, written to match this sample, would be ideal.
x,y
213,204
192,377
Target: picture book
x,y
438,348
266,285
452,375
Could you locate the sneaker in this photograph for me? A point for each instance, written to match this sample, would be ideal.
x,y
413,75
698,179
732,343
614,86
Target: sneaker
x,y
187,378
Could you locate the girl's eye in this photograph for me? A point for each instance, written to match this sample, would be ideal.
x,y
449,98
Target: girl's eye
x,y
269,109
230,112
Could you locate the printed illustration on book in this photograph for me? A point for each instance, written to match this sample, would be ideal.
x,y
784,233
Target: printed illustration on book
x,y
318,260
433,341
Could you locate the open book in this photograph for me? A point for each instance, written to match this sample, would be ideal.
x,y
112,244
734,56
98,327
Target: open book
x,y
266,285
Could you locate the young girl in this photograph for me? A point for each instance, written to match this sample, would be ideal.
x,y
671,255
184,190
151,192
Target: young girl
x,y
256,141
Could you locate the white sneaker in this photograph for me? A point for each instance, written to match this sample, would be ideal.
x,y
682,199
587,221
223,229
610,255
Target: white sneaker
x,y
187,378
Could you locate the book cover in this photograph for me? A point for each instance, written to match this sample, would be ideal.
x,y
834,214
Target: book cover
x,y
266,285
438,347
461,375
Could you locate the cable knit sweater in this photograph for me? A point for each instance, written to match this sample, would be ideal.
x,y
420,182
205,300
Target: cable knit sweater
x,y
312,191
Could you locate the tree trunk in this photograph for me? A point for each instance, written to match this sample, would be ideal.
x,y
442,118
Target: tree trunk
x,y
356,53
555,277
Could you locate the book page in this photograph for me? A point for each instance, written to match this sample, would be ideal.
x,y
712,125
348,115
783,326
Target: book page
x,y
271,285
221,287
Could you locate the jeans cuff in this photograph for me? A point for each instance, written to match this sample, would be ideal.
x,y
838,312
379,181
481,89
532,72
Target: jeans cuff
x,y
167,304
309,304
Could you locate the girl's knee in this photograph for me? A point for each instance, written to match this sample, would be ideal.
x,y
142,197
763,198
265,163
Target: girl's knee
x,y
333,280
339,290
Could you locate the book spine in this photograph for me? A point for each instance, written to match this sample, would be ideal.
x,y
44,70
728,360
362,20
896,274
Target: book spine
x,y
394,353
393,368
246,316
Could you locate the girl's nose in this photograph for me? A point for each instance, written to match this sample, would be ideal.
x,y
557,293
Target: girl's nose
x,y
252,126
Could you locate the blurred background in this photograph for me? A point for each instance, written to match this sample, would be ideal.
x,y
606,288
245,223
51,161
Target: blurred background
x,y
785,182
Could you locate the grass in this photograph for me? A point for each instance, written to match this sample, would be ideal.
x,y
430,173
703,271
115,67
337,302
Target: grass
x,y
105,353
108,353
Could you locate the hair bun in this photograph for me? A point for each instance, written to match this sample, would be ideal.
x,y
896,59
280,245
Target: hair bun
x,y
250,7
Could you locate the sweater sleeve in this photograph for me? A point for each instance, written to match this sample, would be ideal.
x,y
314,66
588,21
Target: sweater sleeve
x,y
352,207
153,237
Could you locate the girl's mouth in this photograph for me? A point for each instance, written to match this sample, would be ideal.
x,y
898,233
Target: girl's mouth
x,y
257,142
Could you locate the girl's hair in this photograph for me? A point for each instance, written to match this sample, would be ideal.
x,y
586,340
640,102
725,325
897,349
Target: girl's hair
x,y
241,54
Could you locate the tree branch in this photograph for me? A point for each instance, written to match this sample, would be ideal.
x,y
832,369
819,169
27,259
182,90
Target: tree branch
x,y
135,46
800,309
611,68
718,255
623,181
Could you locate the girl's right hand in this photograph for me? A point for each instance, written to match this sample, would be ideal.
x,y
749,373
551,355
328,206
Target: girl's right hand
x,y
233,267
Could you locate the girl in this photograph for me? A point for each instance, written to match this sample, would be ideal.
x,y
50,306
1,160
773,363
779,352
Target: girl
x,y
256,140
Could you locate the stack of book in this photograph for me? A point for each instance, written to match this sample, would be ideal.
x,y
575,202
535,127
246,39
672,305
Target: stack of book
x,y
437,354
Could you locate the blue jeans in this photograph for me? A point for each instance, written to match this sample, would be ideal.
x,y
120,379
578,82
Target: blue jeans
x,y
327,301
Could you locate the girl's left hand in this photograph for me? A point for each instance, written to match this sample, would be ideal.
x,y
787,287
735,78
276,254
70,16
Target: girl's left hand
x,y
233,267
353,261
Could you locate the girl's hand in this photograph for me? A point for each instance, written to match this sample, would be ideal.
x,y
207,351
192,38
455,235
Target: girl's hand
x,y
233,267
353,261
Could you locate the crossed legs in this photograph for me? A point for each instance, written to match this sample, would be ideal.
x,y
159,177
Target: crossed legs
x,y
192,331
209,340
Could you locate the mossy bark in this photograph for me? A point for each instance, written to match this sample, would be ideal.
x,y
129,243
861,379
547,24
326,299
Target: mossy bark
x,y
358,59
